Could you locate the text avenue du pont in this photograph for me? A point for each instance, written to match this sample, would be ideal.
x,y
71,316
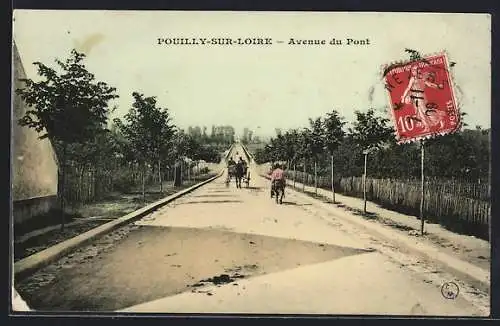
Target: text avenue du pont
x,y
259,41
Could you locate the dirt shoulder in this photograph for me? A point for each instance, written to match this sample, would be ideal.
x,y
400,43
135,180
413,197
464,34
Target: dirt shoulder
x,y
464,247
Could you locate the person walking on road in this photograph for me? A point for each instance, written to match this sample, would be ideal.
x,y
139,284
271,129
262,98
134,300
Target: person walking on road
x,y
277,178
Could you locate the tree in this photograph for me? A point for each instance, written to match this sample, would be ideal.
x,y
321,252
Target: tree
x,y
181,150
317,145
334,134
292,144
193,150
370,133
97,156
163,133
305,150
414,55
68,106
346,158
147,131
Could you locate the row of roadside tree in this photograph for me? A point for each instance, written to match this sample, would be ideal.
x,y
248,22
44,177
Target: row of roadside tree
x,y
72,109
333,153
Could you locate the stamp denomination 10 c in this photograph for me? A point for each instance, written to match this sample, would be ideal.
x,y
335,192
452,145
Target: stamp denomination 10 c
x,y
422,98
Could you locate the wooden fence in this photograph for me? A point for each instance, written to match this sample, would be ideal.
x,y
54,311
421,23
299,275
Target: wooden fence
x,y
447,202
90,184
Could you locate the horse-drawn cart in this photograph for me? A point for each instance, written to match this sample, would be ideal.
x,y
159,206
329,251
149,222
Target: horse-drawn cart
x,y
231,173
246,178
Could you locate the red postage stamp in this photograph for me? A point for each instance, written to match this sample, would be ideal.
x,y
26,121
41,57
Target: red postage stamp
x,y
422,98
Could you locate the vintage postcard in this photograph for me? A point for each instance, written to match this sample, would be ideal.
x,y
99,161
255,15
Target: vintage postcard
x,y
251,162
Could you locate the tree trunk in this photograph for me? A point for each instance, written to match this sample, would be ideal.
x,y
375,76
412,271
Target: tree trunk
x,y
93,183
304,177
294,173
159,176
144,182
81,188
177,177
315,177
364,183
63,187
182,173
333,183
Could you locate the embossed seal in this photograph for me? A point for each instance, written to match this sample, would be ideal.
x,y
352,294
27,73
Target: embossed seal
x,y
450,290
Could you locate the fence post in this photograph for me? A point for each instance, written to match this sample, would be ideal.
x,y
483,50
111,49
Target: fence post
x,y
159,176
304,178
333,187
315,178
294,173
144,182
364,181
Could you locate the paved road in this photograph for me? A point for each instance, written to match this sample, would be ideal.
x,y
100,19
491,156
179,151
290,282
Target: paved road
x,y
227,250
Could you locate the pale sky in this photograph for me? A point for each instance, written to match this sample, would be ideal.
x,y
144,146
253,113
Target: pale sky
x,y
266,86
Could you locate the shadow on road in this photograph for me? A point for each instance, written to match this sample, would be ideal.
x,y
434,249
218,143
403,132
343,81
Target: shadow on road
x,y
291,203
214,196
211,202
254,188
150,263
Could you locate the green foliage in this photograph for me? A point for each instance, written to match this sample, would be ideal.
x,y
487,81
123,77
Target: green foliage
x,y
124,180
147,129
291,145
370,131
204,170
414,55
67,106
305,141
209,154
316,141
463,155
333,126
70,107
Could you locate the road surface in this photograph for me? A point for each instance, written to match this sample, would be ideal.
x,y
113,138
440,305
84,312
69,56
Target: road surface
x,y
227,250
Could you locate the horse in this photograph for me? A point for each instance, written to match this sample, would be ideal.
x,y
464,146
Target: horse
x,y
278,189
238,174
